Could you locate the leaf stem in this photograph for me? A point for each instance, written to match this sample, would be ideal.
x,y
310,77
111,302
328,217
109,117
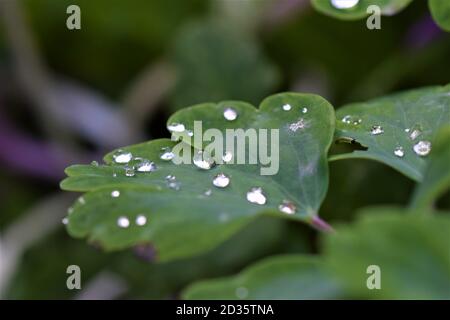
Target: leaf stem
x,y
321,225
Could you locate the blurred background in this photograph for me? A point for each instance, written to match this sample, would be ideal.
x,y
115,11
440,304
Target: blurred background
x,y
70,96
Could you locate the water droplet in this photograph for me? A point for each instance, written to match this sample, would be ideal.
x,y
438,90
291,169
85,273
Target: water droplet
x,y
129,171
305,110
167,155
399,152
344,4
115,193
203,160
407,130
422,148
414,134
94,163
190,133
256,195
141,220
300,124
81,200
122,157
207,192
357,122
287,107
172,182
376,130
230,114
146,166
287,207
123,222
227,157
347,119
65,221
114,175
221,180
176,127
241,292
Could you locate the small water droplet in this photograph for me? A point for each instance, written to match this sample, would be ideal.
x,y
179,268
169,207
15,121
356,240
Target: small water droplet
x,y
344,4
422,148
376,130
407,130
129,171
207,192
65,221
287,107
415,133
347,119
221,180
300,124
357,122
287,207
123,222
81,200
241,292
176,127
399,152
304,110
172,182
256,195
167,155
114,175
115,193
94,163
141,220
190,133
122,157
203,160
230,114
146,166
227,156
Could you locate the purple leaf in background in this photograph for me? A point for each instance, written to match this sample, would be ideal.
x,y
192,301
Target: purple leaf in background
x,y
422,33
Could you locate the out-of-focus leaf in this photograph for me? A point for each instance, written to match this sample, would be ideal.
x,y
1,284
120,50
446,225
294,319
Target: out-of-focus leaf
x,y
282,277
357,9
394,127
437,174
412,253
182,220
440,10
216,62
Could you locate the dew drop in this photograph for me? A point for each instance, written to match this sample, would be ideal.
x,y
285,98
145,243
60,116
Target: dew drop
x,y
347,119
422,148
129,172
167,155
230,114
344,4
256,195
305,110
146,166
203,160
407,130
414,134
287,207
190,133
287,107
115,193
227,157
221,180
123,222
241,292
176,127
65,221
141,220
399,152
122,157
300,124
357,122
376,130
172,182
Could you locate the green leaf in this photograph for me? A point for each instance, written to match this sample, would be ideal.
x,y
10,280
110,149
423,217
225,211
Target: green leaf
x,y
412,252
186,221
440,10
437,174
216,62
359,10
281,277
423,111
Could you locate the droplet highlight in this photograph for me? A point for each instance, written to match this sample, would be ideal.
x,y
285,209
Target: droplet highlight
x,y
399,152
122,157
344,4
287,207
230,114
123,222
256,195
221,180
376,130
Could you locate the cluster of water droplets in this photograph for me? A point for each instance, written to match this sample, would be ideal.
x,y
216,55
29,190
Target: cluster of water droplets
x,y
348,119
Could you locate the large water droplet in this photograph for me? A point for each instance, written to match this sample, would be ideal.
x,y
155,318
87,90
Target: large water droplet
x,y
146,166
203,160
227,156
376,130
422,148
287,207
176,127
287,107
141,220
241,292
122,157
167,155
256,195
115,193
344,4
221,180
230,114
123,222
399,152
